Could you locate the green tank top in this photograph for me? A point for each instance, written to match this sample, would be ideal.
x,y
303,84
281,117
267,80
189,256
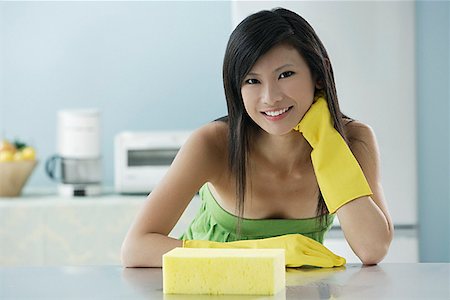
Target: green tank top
x,y
213,223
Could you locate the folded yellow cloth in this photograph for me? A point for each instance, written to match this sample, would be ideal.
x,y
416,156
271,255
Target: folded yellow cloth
x,y
299,249
338,173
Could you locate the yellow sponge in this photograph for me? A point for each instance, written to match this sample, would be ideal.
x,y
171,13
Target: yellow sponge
x,y
224,271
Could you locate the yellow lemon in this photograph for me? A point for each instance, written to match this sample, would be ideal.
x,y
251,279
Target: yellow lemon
x,y
6,155
18,156
28,153
5,145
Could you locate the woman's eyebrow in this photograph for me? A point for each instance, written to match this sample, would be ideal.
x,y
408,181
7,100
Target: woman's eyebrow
x,y
283,66
274,71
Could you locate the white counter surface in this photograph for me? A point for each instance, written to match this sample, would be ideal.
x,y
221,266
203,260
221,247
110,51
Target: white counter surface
x,y
354,281
41,228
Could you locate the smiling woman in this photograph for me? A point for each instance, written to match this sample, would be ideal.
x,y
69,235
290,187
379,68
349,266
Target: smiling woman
x,y
279,87
279,167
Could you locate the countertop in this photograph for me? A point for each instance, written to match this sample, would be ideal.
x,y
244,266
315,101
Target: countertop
x,y
354,281
83,231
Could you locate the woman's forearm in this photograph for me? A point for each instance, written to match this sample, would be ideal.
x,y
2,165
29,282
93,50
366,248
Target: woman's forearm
x,y
146,250
366,229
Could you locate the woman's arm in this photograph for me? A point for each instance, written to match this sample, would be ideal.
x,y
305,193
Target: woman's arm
x,y
366,222
147,240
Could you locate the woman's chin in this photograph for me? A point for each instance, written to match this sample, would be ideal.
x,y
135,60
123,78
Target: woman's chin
x,y
278,131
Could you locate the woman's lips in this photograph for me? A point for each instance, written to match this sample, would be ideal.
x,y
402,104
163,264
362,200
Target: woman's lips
x,y
275,115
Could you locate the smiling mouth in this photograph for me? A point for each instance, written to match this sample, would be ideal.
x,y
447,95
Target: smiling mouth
x,y
276,113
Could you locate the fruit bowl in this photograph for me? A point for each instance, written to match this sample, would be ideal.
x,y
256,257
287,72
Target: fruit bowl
x,y
14,175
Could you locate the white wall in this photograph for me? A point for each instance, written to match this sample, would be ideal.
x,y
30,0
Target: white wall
x,y
371,46
146,65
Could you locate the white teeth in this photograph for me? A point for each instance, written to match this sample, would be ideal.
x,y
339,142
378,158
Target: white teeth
x,y
276,113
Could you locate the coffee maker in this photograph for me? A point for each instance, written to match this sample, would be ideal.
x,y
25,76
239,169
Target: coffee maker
x,y
78,157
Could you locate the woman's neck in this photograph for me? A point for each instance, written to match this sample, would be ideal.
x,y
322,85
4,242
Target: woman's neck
x,y
285,153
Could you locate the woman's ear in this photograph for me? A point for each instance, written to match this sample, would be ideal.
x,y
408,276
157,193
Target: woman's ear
x,y
319,84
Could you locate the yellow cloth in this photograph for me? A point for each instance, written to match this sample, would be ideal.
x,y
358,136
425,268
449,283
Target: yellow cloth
x,y
338,173
299,250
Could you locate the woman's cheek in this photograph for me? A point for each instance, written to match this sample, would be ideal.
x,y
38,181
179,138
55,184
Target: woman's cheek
x,y
249,96
246,93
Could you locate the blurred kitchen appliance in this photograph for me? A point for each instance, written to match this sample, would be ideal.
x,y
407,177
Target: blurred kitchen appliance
x,y
78,157
141,159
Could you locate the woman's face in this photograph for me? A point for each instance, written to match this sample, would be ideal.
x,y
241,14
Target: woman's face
x,y
278,90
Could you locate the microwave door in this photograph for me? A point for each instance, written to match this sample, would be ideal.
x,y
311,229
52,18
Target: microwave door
x,y
151,157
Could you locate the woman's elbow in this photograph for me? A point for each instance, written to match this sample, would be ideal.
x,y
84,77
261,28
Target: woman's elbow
x,y
374,255
130,255
371,260
126,256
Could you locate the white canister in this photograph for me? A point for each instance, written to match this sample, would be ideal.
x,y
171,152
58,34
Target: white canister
x,y
79,133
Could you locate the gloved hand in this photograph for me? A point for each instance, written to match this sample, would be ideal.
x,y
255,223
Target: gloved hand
x,y
299,249
338,173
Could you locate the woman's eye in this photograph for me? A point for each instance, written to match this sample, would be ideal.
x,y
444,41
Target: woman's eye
x,y
286,74
252,81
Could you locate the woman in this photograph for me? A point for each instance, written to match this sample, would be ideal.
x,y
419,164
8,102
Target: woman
x,y
278,168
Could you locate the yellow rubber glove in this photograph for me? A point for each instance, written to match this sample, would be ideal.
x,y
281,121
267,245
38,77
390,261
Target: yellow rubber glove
x,y
299,249
338,173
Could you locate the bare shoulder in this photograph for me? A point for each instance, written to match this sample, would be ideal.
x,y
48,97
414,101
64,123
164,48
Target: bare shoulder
x,y
362,139
209,145
212,136
358,131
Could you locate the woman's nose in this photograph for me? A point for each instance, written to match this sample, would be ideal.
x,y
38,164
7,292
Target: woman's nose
x,y
272,94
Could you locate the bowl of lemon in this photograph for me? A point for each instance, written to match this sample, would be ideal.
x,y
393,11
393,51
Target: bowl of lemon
x,y
17,162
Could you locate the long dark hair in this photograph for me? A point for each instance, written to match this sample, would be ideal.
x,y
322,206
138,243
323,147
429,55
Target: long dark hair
x,y
252,38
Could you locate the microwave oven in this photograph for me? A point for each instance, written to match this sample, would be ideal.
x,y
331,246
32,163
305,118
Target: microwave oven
x,y
141,159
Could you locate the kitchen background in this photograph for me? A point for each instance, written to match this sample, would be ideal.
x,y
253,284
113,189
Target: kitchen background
x,y
157,66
